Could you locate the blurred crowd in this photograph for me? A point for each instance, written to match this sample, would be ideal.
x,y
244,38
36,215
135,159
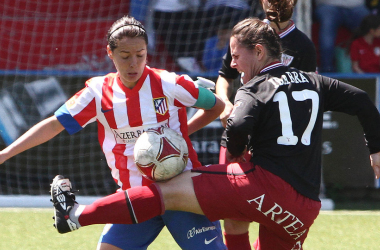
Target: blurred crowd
x,y
192,36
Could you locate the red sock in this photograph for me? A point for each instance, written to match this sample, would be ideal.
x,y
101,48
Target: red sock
x,y
132,206
237,241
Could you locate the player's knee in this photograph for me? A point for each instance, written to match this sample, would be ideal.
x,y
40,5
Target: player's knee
x,y
235,227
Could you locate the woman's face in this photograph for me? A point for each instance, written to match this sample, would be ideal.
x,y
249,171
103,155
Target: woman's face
x,y
244,60
129,58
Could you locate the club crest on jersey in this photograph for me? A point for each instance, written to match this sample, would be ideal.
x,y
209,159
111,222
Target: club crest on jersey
x,y
286,59
160,105
71,102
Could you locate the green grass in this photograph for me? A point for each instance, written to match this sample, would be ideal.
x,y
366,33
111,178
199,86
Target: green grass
x,y
31,229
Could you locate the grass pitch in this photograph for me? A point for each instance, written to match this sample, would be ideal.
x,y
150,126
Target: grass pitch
x,y
31,229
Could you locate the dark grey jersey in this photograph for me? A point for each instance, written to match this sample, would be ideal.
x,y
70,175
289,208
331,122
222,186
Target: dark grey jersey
x,y
279,115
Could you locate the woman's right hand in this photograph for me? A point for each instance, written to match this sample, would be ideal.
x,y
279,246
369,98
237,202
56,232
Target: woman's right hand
x,y
226,113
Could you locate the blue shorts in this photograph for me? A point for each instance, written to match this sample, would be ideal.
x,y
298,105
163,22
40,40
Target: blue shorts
x,y
190,231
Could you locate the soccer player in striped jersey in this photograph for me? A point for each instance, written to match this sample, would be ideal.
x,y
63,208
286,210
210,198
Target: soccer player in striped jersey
x,y
278,116
124,104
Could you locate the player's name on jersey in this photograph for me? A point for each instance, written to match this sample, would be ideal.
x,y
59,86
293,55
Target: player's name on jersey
x,y
288,78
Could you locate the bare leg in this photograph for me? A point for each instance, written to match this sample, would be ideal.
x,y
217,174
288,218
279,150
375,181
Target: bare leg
x,y
139,204
178,194
236,234
106,246
235,226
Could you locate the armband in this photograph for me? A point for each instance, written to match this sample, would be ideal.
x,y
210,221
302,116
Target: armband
x,y
206,99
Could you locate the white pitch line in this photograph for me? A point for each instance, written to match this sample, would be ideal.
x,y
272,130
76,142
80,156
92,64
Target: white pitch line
x,y
352,212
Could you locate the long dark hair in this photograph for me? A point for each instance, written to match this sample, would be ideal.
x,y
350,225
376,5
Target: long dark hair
x,y
252,31
126,26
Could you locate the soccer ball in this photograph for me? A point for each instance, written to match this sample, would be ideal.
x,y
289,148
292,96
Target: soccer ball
x,y
160,154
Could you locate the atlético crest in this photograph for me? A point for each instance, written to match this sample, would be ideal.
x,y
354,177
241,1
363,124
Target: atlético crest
x,y
160,105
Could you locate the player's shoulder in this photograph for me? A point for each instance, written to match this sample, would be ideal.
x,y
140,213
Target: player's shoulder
x,y
299,38
162,75
100,80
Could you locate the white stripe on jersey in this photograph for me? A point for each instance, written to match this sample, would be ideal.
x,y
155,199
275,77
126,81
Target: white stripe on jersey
x,y
119,106
148,116
272,66
135,178
171,90
287,31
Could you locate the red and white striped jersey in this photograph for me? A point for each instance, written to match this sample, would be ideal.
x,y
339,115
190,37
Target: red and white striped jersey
x,y
159,98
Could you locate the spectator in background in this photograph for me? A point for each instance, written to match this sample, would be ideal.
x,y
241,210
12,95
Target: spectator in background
x,y
215,48
221,16
332,14
365,48
184,26
225,11
176,24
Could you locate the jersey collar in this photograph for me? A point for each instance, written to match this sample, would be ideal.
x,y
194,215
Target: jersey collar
x,y
273,65
287,30
138,85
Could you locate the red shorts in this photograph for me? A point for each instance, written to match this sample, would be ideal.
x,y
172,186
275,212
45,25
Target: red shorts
x,y
246,192
223,158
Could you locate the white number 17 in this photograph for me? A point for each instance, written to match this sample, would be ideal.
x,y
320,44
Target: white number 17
x,y
288,137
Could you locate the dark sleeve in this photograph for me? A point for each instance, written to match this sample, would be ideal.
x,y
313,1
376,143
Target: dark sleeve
x,y
309,60
342,97
241,122
226,71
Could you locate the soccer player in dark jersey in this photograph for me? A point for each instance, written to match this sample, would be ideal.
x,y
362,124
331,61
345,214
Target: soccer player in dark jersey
x,y
278,117
298,52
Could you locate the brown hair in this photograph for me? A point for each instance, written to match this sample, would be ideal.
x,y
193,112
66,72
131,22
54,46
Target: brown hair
x,y
252,31
126,26
279,10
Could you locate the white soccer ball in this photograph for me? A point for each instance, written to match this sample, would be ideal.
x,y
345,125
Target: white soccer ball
x,y
160,154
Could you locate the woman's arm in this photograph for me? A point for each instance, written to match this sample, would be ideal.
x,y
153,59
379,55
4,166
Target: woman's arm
x,y
38,134
205,115
356,68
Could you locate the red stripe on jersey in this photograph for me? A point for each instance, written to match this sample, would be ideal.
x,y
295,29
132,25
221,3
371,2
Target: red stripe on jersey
x,y
133,100
107,103
121,164
86,114
101,134
101,137
182,117
134,110
178,103
188,86
160,102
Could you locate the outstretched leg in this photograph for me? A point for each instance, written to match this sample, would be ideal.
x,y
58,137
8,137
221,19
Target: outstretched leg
x,y
132,206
